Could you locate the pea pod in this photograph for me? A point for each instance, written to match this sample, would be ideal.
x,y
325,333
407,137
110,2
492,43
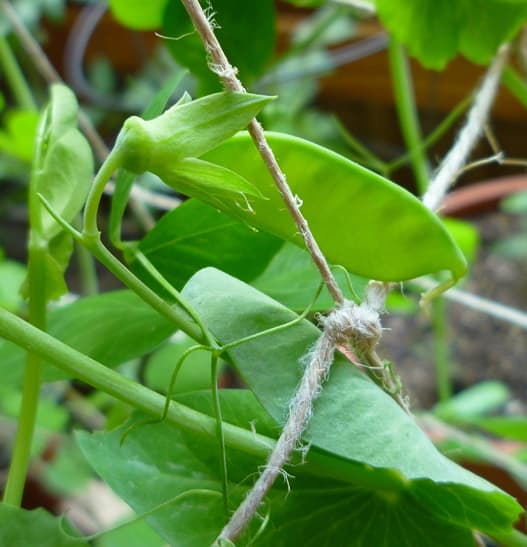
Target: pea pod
x,y
361,220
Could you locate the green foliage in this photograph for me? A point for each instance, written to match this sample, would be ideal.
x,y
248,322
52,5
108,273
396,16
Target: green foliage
x,y
237,26
113,328
193,375
371,435
61,173
12,275
434,32
195,235
340,200
137,14
17,138
35,528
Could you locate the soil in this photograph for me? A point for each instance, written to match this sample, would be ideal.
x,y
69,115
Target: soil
x,y
482,347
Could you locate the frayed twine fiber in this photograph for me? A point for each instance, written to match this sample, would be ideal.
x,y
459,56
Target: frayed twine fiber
x,y
349,323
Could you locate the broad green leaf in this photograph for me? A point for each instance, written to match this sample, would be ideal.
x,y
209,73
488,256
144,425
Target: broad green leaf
x,y
292,278
474,401
435,32
112,328
353,418
362,221
36,528
140,473
195,235
194,374
17,138
138,14
246,31
185,130
125,179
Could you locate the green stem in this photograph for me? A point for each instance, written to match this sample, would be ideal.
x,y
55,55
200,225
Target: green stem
x,y
87,271
515,84
177,315
109,166
441,349
407,112
14,76
220,435
32,380
103,378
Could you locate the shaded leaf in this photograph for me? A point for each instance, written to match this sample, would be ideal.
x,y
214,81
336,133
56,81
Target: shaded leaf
x,y
196,235
246,31
435,32
292,278
35,528
112,328
362,221
300,516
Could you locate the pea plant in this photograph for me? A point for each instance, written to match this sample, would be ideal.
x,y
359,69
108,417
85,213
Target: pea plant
x,y
278,264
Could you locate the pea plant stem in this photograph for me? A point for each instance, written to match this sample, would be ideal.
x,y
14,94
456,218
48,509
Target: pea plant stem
x,y
14,76
407,112
16,477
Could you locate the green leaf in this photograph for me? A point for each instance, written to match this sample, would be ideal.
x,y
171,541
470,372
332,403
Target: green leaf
x,y
507,427
435,32
18,136
140,473
12,275
137,534
194,374
35,528
62,172
125,179
474,401
362,221
465,235
185,130
195,235
112,328
246,31
293,279
154,465
353,418
138,14
516,203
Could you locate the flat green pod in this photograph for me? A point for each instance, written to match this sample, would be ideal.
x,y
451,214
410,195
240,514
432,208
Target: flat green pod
x,y
361,220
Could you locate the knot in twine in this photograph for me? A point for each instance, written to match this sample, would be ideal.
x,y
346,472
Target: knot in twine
x,y
359,325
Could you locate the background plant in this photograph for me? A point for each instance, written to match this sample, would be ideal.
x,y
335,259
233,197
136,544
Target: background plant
x,y
346,470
